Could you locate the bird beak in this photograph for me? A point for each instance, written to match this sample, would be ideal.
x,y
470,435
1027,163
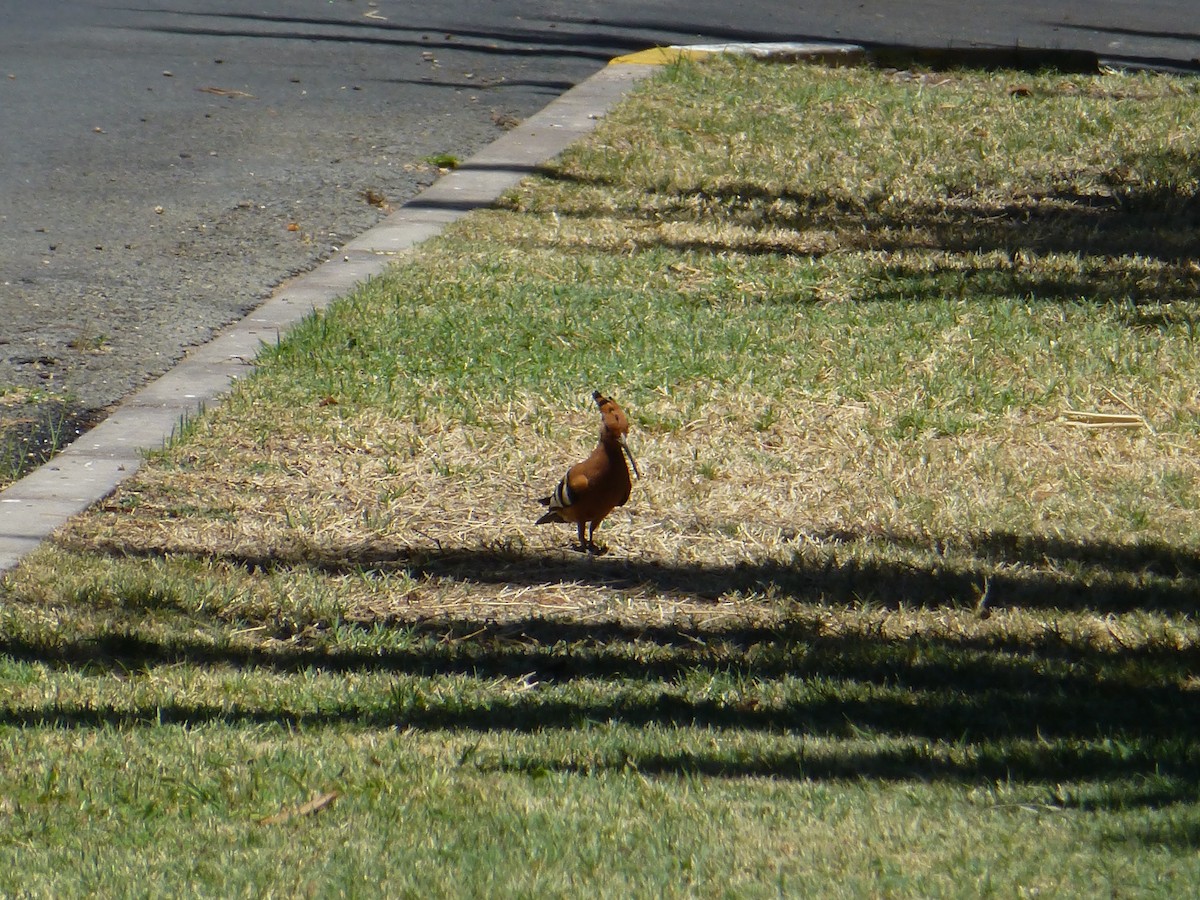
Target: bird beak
x,y
629,453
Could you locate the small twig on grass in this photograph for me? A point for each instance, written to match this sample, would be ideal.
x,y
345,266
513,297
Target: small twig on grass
x,y
1029,807
982,608
1116,638
1129,406
312,807
1117,397
1094,420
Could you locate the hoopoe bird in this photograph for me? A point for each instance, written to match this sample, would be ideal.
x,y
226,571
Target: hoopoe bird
x,y
595,487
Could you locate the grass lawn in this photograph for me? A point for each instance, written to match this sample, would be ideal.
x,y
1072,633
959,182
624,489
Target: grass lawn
x,y
904,604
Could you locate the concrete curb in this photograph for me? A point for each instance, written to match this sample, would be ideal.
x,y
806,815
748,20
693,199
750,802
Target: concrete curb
x,y
32,508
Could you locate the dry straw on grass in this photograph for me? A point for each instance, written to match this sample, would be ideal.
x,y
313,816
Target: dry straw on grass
x,y
460,506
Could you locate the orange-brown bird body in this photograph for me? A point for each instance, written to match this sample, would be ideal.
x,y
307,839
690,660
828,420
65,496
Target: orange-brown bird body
x,y
595,487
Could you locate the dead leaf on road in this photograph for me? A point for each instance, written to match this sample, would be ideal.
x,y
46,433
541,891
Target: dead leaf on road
x,y
376,199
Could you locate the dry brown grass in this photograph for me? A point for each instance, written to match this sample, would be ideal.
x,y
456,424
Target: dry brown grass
x,y
815,490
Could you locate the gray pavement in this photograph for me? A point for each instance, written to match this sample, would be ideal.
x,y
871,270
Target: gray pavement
x,y
163,166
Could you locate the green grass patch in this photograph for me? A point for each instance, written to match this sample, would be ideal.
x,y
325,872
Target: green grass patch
x,y
904,604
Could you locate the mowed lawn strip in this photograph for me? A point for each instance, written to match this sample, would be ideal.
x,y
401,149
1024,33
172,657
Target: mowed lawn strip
x,y
903,605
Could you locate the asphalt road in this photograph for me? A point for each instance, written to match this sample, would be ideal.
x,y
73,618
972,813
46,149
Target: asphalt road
x,y
162,169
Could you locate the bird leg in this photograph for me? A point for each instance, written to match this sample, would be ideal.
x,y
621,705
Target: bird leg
x,y
587,542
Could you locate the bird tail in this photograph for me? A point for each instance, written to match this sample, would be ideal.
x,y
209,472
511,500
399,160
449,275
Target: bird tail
x,y
551,516
562,497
